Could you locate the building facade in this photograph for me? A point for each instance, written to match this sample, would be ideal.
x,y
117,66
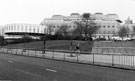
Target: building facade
x,y
15,31
1,30
108,24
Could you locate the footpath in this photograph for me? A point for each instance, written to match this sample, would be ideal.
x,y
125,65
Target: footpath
x,y
113,60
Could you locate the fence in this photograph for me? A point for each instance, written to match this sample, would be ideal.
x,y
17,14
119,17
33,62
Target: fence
x,y
121,60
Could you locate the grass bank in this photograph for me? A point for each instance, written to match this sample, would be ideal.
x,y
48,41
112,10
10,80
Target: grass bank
x,y
54,45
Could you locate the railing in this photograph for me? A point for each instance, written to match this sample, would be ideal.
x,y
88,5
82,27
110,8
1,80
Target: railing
x,y
113,59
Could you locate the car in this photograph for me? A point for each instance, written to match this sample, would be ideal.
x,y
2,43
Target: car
x,y
126,39
116,38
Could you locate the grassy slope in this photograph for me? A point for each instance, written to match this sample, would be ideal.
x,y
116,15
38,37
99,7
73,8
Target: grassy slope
x,y
55,45
65,45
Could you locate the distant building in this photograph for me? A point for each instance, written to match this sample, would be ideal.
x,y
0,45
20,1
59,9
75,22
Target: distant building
x,y
15,31
1,30
108,24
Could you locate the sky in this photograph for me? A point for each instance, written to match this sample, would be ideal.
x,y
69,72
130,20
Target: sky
x,y
34,11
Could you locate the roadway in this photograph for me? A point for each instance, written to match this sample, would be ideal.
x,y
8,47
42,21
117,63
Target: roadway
x,y
22,68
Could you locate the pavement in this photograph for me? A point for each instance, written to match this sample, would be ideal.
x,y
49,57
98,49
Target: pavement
x,y
21,68
114,60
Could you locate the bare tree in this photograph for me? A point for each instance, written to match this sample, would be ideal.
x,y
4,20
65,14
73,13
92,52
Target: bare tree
x,y
63,30
123,32
133,30
86,27
50,28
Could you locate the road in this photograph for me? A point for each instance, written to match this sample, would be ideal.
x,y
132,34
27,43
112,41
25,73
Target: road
x,y
22,68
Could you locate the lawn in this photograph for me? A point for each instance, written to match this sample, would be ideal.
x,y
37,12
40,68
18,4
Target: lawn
x,y
65,45
55,45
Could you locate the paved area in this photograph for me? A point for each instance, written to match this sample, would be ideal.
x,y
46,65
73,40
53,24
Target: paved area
x,y
126,61
21,68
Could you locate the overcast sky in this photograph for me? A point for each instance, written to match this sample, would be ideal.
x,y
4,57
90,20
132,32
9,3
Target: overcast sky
x,y
34,11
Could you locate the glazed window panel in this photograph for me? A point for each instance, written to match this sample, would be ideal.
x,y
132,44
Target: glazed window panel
x,y
34,30
9,28
104,32
108,32
37,30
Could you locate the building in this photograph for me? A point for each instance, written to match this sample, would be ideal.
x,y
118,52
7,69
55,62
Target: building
x,y
1,30
109,24
15,31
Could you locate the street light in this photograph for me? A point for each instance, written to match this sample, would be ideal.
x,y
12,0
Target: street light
x,y
44,42
25,39
71,46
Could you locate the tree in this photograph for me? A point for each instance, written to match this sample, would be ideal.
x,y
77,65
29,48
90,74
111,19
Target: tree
x,y
86,27
123,32
133,30
50,28
26,38
2,41
62,31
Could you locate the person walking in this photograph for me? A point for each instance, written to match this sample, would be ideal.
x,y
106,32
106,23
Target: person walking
x,y
78,49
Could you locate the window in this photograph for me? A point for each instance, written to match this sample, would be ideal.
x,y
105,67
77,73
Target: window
x,y
104,26
30,29
37,30
14,27
9,27
108,26
22,27
113,32
34,30
113,26
104,32
18,27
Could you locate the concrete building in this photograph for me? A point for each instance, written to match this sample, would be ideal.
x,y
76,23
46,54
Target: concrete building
x,y
15,31
109,24
1,30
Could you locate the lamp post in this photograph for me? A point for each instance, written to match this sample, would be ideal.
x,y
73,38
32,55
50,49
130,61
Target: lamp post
x,y
44,43
71,46
25,39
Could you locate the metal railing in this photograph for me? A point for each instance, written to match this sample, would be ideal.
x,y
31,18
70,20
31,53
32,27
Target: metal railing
x,y
98,56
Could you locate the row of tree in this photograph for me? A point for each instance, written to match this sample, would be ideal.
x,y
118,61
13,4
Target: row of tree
x,y
84,28
124,31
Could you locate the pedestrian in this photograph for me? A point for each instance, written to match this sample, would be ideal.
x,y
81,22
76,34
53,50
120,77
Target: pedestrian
x,y
77,49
